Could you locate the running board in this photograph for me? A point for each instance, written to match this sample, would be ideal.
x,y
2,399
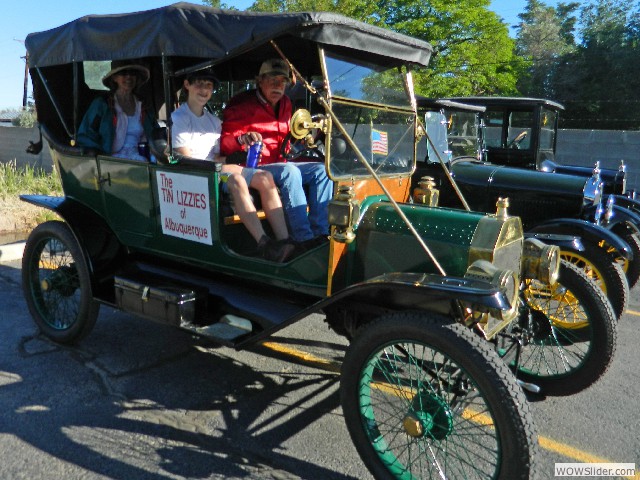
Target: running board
x,y
226,331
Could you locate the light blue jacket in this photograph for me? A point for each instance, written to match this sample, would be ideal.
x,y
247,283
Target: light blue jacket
x,y
98,125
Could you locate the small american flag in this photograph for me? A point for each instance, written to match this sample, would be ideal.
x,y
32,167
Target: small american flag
x,y
379,142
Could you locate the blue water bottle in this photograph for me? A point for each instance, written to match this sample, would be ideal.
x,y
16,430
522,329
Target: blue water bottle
x,y
253,154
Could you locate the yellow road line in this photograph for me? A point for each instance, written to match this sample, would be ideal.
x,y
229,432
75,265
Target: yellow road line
x,y
309,358
545,442
632,312
574,453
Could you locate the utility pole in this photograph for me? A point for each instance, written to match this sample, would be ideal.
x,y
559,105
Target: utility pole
x,y
26,76
26,80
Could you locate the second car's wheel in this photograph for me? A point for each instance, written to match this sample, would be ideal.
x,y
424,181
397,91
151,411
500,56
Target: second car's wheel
x,y
56,283
425,398
568,334
605,272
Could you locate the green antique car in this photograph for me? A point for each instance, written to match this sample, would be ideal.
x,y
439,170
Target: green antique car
x,y
419,291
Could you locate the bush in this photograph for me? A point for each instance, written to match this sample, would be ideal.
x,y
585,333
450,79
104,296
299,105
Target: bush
x,y
25,119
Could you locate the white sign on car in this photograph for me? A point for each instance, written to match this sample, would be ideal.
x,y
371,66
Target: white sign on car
x,y
184,206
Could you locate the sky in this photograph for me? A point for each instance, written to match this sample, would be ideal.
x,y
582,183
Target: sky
x,y
29,16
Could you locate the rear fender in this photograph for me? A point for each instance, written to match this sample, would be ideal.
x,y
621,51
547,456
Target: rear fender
x,y
587,231
99,244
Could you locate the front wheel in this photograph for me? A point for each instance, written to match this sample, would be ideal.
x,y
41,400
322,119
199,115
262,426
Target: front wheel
x,y
424,398
605,272
631,268
56,283
568,334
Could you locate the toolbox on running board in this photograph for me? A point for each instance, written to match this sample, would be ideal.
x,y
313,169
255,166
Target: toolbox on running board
x,y
166,303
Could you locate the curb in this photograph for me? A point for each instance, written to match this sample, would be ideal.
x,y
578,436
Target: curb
x,y
11,251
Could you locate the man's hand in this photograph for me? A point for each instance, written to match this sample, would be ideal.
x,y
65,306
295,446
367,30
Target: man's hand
x,y
249,138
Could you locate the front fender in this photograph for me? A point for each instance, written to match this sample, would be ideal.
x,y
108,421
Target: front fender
x,y
620,215
422,291
562,241
587,231
625,202
405,291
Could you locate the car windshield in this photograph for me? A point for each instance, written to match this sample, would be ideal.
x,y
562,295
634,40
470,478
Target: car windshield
x,y
462,128
375,111
548,120
436,125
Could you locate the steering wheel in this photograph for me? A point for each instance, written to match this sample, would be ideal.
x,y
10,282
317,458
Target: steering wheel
x,y
515,143
300,150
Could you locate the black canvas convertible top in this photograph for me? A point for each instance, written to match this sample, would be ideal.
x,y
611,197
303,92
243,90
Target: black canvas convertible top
x,y
188,30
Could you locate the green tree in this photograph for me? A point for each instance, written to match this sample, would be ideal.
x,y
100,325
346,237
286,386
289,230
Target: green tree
x,y
604,71
566,12
218,4
473,53
544,37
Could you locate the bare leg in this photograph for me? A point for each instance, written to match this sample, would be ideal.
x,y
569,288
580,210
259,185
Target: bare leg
x,y
271,203
244,206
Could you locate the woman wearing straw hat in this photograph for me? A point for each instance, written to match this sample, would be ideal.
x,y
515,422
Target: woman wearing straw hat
x,y
116,123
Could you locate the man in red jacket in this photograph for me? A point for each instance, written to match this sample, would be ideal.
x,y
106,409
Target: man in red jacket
x,y
263,115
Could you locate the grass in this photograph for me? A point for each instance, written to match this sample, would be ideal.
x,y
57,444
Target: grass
x,y
16,215
14,181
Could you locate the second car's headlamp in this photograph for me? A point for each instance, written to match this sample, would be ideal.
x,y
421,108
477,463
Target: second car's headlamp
x,y
540,261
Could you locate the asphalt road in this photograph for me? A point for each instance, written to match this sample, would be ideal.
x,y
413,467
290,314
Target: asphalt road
x,y
138,400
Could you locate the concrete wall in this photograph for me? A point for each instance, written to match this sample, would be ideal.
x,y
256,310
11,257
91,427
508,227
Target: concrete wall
x,y
585,147
14,142
574,147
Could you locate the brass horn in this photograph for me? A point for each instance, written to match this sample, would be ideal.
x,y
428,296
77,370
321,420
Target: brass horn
x,y
302,122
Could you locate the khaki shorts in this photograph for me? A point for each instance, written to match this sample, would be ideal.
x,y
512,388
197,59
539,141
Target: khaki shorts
x,y
247,174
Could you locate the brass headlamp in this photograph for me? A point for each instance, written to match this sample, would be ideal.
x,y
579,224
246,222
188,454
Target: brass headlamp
x,y
540,261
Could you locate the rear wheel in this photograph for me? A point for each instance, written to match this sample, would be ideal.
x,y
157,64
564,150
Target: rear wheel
x,y
424,398
607,274
57,285
568,334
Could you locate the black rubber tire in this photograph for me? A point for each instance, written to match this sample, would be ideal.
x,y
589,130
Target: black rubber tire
x,y
57,285
607,274
474,393
631,268
573,334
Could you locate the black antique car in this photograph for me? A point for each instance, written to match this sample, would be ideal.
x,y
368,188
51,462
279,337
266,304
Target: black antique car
x,y
554,206
522,132
425,295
